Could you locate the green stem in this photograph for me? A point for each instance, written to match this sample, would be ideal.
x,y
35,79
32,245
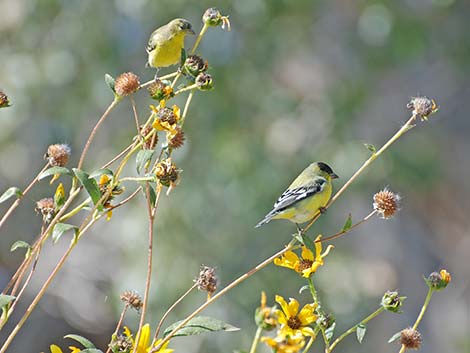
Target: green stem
x,y
256,339
185,89
310,342
421,314
199,37
354,328
75,210
319,311
150,178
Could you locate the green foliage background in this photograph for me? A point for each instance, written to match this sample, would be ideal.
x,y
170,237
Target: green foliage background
x,y
296,81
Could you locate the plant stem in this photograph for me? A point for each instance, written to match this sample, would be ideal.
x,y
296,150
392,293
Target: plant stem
x,y
121,318
166,77
309,344
421,314
256,339
343,232
157,331
354,328
224,291
319,310
15,204
408,125
185,89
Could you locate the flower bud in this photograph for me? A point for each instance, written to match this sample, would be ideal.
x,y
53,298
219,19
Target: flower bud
x,y
4,102
391,301
194,65
167,173
58,155
410,338
438,280
160,90
121,344
126,84
422,107
204,81
386,203
206,281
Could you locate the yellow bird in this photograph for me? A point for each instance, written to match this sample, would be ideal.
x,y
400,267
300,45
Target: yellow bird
x,y
308,194
166,42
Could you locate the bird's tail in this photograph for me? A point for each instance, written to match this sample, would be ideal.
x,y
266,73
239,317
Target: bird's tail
x,y
266,219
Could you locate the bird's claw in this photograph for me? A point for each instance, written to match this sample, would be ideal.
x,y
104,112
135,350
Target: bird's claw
x,y
322,210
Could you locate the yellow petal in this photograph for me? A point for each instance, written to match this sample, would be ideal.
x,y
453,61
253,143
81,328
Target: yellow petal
x,y
307,331
282,302
307,314
318,246
293,307
74,349
55,349
177,111
307,254
144,339
281,317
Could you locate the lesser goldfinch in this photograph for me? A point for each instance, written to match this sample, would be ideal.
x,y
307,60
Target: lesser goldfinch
x,y
166,42
308,194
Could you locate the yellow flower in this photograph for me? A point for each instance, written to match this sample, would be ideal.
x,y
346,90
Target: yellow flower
x,y
57,349
265,316
282,344
294,322
446,277
307,264
144,345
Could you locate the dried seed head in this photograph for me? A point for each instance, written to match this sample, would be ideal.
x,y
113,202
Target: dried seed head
x,y
46,208
176,138
126,84
391,301
132,299
410,338
121,344
58,155
422,107
167,172
159,90
167,115
206,281
439,280
213,17
204,81
386,203
152,141
4,102
194,65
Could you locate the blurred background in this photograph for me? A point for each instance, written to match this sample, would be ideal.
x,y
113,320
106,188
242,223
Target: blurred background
x,y
296,81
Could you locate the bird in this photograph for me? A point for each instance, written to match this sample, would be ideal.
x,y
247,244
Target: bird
x,y
308,194
166,43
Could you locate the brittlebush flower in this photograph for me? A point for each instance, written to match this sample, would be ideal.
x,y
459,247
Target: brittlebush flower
x,y
281,344
307,264
293,321
166,118
57,349
144,345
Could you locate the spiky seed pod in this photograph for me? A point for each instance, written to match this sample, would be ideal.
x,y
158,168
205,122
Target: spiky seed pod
x,y
176,138
158,90
391,301
121,344
422,107
152,141
58,155
206,281
132,299
126,84
386,203
194,65
166,114
46,208
167,173
410,338
212,17
204,81
439,280
4,102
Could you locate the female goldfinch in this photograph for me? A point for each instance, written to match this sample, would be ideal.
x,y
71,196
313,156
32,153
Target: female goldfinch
x,y
165,43
308,194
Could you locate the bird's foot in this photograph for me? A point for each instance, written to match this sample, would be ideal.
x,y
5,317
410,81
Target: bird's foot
x,y
322,210
299,229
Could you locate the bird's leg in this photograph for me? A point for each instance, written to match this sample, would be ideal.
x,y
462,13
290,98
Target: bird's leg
x,y
322,210
156,75
299,230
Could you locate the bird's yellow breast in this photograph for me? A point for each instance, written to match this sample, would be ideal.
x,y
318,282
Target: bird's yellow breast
x,y
168,52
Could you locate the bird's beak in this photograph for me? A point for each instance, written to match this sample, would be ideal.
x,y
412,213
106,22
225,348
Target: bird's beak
x,y
190,31
334,176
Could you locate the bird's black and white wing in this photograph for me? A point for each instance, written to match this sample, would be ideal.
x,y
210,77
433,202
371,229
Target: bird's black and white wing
x,y
292,196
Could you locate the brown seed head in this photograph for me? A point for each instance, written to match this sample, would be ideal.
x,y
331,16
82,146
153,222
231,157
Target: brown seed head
x,y
206,281
204,81
166,114
410,338
58,155
194,65
46,208
439,280
294,323
386,203
213,17
4,102
422,107
158,90
132,299
167,172
176,138
152,141
126,84
121,344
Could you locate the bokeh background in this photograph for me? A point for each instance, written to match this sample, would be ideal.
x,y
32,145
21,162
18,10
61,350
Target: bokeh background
x,y
296,81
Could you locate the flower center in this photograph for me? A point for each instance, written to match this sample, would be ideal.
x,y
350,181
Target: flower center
x,y
305,264
294,323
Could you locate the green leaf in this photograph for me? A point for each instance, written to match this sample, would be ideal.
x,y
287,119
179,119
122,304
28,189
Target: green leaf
x,y
110,82
370,147
183,57
360,332
199,325
61,228
309,243
90,185
347,224
13,191
19,244
142,159
330,331
91,350
85,342
394,337
5,300
303,288
53,171
152,194
100,172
